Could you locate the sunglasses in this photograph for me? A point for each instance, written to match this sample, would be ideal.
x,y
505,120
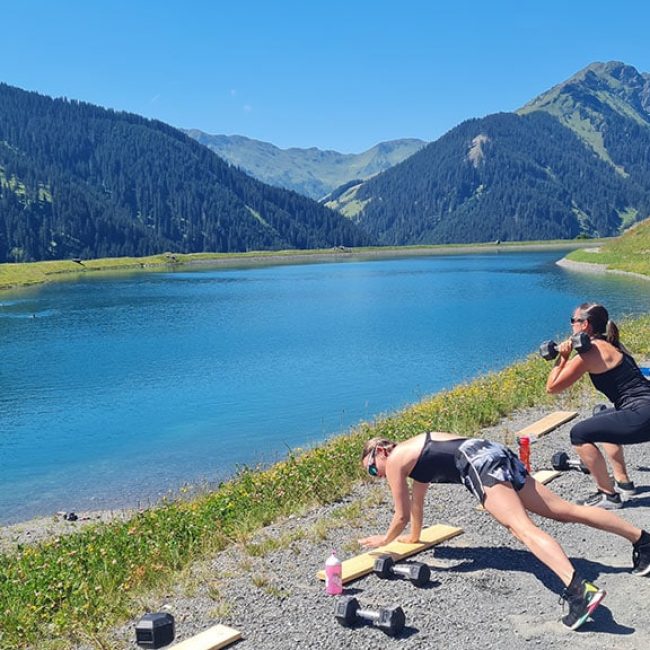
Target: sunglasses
x,y
578,320
372,466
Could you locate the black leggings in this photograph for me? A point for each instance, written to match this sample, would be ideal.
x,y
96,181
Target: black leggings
x,y
628,426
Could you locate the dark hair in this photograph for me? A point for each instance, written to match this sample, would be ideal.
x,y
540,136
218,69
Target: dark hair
x,y
373,443
598,317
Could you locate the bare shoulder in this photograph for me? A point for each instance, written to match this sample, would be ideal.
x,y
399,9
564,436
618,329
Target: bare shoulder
x,y
406,453
602,356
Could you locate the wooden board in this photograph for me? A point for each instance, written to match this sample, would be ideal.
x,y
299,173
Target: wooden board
x,y
547,424
218,636
546,475
361,565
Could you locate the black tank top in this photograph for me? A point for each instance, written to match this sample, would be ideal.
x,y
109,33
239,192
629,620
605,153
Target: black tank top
x,y
624,385
437,463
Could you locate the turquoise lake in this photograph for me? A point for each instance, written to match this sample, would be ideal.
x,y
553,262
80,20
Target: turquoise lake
x,y
118,391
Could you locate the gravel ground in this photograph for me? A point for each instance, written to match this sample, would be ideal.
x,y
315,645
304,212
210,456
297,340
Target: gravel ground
x,y
487,590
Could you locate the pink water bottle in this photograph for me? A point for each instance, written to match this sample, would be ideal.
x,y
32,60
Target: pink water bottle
x,y
333,575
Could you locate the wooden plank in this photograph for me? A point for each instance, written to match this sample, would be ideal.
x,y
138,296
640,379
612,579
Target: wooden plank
x,y
546,475
547,424
218,636
361,565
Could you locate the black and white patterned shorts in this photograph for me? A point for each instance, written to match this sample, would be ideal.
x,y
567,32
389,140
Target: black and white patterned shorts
x,y
483,463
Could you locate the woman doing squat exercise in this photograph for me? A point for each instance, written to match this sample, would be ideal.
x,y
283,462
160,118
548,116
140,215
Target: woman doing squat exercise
x,y
614,373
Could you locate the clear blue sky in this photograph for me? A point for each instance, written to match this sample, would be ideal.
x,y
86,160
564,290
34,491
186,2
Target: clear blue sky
x,y
333,74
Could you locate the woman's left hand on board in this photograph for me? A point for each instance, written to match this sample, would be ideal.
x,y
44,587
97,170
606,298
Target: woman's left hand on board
x,y
371,542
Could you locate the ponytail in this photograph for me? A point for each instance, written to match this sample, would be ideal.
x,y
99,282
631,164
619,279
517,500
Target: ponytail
x,y
611,334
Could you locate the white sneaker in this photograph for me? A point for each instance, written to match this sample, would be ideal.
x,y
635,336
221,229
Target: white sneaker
x,y
603,500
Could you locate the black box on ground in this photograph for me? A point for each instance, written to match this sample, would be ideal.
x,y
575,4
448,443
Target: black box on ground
x,y
154,630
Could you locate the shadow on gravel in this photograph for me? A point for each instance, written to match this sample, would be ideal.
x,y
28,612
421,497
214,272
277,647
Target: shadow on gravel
x,y
603,621
354,591
407,632
480,558
638,501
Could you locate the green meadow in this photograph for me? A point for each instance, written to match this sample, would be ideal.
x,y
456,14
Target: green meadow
x,y
629,253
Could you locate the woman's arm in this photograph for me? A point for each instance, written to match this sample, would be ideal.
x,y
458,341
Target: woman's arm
x,y
418,492
396,475
565,372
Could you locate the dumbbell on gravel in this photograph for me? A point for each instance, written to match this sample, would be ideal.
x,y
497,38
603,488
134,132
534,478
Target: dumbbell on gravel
x,y
390,619
562,463
418,573
579,342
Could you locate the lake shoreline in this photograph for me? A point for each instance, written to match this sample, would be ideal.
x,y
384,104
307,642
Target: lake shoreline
x,y
171,262
597,269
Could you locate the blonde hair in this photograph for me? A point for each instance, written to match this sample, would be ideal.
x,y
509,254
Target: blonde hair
x,y
373,443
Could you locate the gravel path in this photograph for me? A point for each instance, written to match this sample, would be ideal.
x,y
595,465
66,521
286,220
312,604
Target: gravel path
x,y
487,591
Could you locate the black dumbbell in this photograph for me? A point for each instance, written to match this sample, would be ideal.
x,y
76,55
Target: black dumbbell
x,y
418,573
562,463
390,619
579,342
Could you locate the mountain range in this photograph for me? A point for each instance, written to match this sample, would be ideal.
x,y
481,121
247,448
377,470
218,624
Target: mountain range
x,y
78,180
573,162
312,172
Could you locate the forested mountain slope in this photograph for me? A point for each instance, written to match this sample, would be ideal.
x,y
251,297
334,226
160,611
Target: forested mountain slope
x,y
521,176
80,180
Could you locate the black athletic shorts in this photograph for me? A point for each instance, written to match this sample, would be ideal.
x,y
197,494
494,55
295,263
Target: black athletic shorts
x,y
483,463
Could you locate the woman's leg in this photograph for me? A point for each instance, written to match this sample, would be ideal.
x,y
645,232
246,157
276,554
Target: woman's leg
x,y
590,455
504,504
539,499
612,428
617,460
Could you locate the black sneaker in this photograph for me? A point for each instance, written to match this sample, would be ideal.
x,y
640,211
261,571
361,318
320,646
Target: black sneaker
x,y
641,559
581,605
603,500
628,489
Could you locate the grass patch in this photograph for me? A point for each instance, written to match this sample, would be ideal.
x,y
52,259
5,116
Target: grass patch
x,y
76,586
221,611
268,545
630,252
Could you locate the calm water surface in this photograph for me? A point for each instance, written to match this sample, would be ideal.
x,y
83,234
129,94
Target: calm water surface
x,y
115,391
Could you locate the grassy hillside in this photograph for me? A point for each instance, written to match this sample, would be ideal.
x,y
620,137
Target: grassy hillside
x,y
598,101
630,252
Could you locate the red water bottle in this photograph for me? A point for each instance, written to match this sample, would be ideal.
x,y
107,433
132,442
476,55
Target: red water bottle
x,y
524,451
